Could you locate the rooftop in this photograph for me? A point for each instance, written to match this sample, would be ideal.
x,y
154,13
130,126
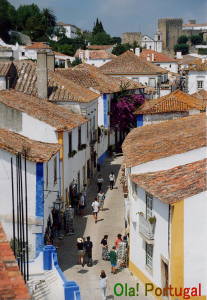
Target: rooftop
x,y
95,54
201,95
188,59
152,142
99,47
38,45
194,25
59,88
5,68
174,184
198,66
12,285
129,63
154,56
173,102
64,24
54,115
36,151
89,76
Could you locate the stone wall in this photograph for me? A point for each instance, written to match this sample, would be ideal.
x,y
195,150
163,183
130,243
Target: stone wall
x,y
170,29
131,37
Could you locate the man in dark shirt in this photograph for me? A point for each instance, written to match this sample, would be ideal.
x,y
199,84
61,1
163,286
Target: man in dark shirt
x,y
88,245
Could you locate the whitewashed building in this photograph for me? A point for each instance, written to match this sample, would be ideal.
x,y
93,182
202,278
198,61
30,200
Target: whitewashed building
x,y
131,66
175,105
152,44
95,58
196,77
165,167
69,29
42,172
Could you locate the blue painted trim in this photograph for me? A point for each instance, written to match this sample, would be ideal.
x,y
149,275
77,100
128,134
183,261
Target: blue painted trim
x,y
139,120
39,203
102,158
106,109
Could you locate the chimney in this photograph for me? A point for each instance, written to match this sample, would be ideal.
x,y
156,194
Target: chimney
x,y
137,51
148,57
42,74
179,55
87,54
153,57
51,61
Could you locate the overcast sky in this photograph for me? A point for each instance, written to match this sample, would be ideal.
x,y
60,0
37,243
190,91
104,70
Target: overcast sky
x,y
120,16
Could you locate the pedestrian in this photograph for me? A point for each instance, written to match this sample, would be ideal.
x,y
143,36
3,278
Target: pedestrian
x,y
81,252
104,244
99,182
95,206
111,180
118,240
85,193
81,204
88,245
101,198
103,284
113,259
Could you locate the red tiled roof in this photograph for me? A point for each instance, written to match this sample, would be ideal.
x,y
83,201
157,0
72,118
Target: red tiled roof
x,y
59,88
89,76
194,25
12,285
95,54
129,63
36,151
152,142
173,102
158,57
99,47
58,117
4,68
198,66
38,45
174,184
201,95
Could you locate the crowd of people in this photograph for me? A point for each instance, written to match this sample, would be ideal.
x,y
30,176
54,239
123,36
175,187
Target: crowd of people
x,y
117,255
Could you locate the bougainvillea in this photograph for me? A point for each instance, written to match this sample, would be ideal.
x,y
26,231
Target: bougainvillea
x,y
122,111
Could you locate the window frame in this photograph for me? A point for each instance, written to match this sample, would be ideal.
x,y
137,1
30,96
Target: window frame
x,y
79,136
70,143
149,255
149,205
202,84
55,170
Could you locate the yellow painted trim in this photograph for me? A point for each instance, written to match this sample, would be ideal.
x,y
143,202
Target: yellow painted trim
x,y
60,142
142,277
177,246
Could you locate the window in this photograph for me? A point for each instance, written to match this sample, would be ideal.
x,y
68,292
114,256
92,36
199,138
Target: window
x,y
47,175
23,53
149,200
79,136
55,170
200,84
87,129
70,148
149,254
152,82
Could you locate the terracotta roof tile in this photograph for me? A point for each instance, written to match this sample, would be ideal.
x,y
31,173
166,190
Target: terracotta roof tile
x,y
201,95
4,68
99,47
95,54
158,57
194,25
174,184
12,285
173,102
188,59
129,63
152,142
59,88
36,151
38,45
54,115
89,76
198,66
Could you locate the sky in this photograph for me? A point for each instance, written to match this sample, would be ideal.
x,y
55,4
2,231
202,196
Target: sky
x,y
120,16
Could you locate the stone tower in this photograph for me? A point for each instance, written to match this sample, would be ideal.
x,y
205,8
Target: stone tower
x,y
131,37
170,29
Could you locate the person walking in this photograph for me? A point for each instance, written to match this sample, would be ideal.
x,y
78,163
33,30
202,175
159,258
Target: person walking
x,y
99,182
101,198
113,259
103,284
88,245
111,180
95,206
81,204
104,243
81,252
118,240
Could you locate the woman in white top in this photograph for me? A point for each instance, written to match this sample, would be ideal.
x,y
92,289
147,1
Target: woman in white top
x,y
111,180
103,284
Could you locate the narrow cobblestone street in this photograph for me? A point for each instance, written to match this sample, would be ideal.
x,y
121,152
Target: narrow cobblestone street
x,y
111,222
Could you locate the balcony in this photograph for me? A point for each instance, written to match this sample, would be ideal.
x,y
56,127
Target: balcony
x,y
146,229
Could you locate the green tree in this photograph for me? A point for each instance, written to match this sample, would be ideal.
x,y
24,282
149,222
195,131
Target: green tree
x,y
120,48
116,40
196,39
76,62
184,48
182,39
98,27
24,12
7,19
101,38
48,21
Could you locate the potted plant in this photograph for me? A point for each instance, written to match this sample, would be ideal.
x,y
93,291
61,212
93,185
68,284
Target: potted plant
x,y
152,220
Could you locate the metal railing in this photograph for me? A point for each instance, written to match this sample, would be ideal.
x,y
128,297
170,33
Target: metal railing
x,y
146,228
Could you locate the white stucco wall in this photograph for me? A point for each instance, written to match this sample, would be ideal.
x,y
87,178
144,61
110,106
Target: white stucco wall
x,y
195,243
137,243
157,118
2,82
192,79
170,66
170,161
96,62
